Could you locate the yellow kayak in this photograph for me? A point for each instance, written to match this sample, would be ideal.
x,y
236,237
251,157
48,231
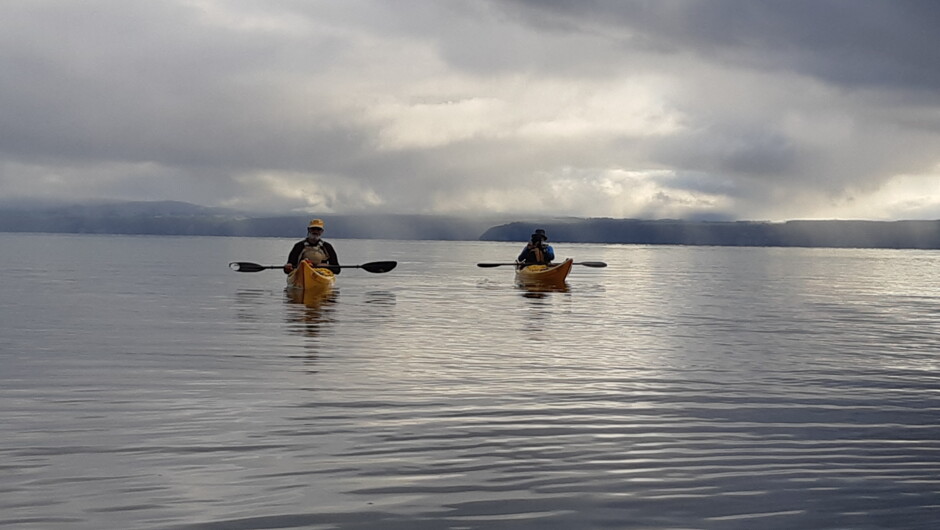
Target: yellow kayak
x,y
310,284
544,274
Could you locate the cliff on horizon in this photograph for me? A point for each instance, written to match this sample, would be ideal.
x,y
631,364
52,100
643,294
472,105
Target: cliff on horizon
x,y
179,218
834,233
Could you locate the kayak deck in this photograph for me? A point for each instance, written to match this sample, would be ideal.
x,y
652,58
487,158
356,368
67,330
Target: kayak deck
x,y
544,274
310,284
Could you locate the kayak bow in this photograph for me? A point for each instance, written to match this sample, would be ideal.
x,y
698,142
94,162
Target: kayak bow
x,y
309,283
544,274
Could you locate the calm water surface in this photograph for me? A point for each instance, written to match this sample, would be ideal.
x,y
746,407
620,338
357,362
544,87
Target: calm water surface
x,y
145,385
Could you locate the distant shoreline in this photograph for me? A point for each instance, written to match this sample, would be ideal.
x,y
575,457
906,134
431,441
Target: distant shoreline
x,y
177,218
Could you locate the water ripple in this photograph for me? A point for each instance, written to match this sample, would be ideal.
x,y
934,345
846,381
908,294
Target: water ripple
x,y
679,388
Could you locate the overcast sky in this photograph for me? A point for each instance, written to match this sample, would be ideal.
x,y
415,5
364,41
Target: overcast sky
x,y
711,109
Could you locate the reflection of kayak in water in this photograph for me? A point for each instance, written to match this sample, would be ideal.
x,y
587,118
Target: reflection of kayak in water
x,y
544,274
309,284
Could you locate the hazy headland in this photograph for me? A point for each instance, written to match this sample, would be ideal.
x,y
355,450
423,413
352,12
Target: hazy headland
x,y
180,218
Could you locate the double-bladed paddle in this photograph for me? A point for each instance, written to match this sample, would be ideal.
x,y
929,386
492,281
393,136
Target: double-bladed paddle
x,y
597,264
375,266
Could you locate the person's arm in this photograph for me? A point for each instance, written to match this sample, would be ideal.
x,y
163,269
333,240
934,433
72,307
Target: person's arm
x,y
332,258
293,259
549,253
524,254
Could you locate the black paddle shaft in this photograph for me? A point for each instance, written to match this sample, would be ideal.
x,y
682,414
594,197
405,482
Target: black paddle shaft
x,y
375,266
598,264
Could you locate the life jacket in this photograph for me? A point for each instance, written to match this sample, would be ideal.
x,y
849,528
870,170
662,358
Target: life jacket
x,y
315,253
536,257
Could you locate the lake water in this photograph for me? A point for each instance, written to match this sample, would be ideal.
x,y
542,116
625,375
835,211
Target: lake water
x,y
145,385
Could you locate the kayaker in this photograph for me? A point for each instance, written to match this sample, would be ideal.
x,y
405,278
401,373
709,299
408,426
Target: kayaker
x,y
537,251
318,251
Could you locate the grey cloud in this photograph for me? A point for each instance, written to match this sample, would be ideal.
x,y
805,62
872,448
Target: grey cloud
x,y
757,152
177,101
850,43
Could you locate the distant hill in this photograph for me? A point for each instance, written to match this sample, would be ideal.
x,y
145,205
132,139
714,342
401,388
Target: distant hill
x,y
180,218
838,234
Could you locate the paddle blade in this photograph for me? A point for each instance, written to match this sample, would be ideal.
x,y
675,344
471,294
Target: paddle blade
x,y
247,266
379,266
597,264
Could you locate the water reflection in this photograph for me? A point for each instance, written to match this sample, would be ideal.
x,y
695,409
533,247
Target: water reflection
x,y
381,298
247,302
542,291
540,308
713,388
310,316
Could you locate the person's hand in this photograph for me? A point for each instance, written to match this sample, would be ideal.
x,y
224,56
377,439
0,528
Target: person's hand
x,y
288,268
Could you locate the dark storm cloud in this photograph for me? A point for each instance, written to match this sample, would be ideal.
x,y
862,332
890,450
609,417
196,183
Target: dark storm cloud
x,y
846,42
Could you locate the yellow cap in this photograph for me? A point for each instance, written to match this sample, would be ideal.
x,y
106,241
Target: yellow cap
x,y
316,223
